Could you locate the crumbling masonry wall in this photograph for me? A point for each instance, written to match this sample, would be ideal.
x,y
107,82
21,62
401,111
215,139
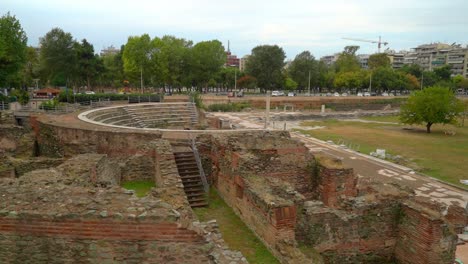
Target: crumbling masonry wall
x,y
287,197
423,237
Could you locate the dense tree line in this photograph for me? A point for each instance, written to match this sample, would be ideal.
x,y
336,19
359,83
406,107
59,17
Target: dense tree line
x,y
173,62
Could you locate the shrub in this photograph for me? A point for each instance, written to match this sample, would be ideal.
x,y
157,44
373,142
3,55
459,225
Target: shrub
x,y
105,96
229,107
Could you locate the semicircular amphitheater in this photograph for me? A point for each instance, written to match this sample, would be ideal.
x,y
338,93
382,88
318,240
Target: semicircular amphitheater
x,y
289,189
150,115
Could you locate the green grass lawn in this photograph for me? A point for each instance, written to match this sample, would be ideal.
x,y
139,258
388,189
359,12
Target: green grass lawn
x,y
234,231
436,154
141,188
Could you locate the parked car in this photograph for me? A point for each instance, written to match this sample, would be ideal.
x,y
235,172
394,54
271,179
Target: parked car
x,y
328,94
277,93
359,94
367,94
384,94
90,92
291,94
344,94
336,94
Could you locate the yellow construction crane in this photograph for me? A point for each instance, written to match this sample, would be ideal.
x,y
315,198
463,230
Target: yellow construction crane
x,y
379,42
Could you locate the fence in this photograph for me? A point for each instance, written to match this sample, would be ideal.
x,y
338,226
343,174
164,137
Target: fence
x,y
4,105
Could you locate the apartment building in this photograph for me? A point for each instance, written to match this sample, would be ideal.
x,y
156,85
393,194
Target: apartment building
x,y
330,59
242,62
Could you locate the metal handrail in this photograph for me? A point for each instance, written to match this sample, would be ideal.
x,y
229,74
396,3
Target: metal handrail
x,y
4,105
199,165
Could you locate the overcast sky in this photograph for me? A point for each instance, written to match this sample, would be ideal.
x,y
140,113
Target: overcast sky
x,y
295,25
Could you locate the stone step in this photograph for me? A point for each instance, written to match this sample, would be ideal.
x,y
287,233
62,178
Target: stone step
x,y
198,190
194,176
199,204
189,186
192,196
183,154
203,199
187,165
191,180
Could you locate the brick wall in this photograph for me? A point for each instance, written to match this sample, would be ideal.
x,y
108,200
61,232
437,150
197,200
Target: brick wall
x,y
271,223
335,184
424,238
57,141
364,235
97,241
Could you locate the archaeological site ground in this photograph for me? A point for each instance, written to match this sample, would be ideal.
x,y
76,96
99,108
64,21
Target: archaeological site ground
x,y
306,200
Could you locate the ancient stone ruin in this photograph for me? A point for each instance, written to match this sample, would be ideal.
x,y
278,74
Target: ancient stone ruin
x,y
67,204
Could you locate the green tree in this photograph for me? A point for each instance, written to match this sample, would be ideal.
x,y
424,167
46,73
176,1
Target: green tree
x,y
13,42
429,78
412,81
385,79
290,84
207,59
266,65
89,66
354,79
58,57
113,73
137,58
430,106
21,96
378,60
413,69
348,61
443,73
172,59
31,68
227,76
303,64
463,84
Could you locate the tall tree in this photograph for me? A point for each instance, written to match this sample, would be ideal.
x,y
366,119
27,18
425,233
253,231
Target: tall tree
x,y
348,61
207,59
443,73
58,57
88,64
137,58
13,42
31,68
113,73
378,60
413,69
351,80
302,67
266,64
172,59
431,106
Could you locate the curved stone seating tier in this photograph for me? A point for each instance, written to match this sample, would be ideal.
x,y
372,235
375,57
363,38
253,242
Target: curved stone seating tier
x,y
154,115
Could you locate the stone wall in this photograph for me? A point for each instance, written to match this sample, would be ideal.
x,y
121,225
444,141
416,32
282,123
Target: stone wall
x,y
16,141
58,141
77,213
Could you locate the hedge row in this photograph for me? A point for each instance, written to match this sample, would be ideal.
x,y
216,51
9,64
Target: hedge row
x,y
108,96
